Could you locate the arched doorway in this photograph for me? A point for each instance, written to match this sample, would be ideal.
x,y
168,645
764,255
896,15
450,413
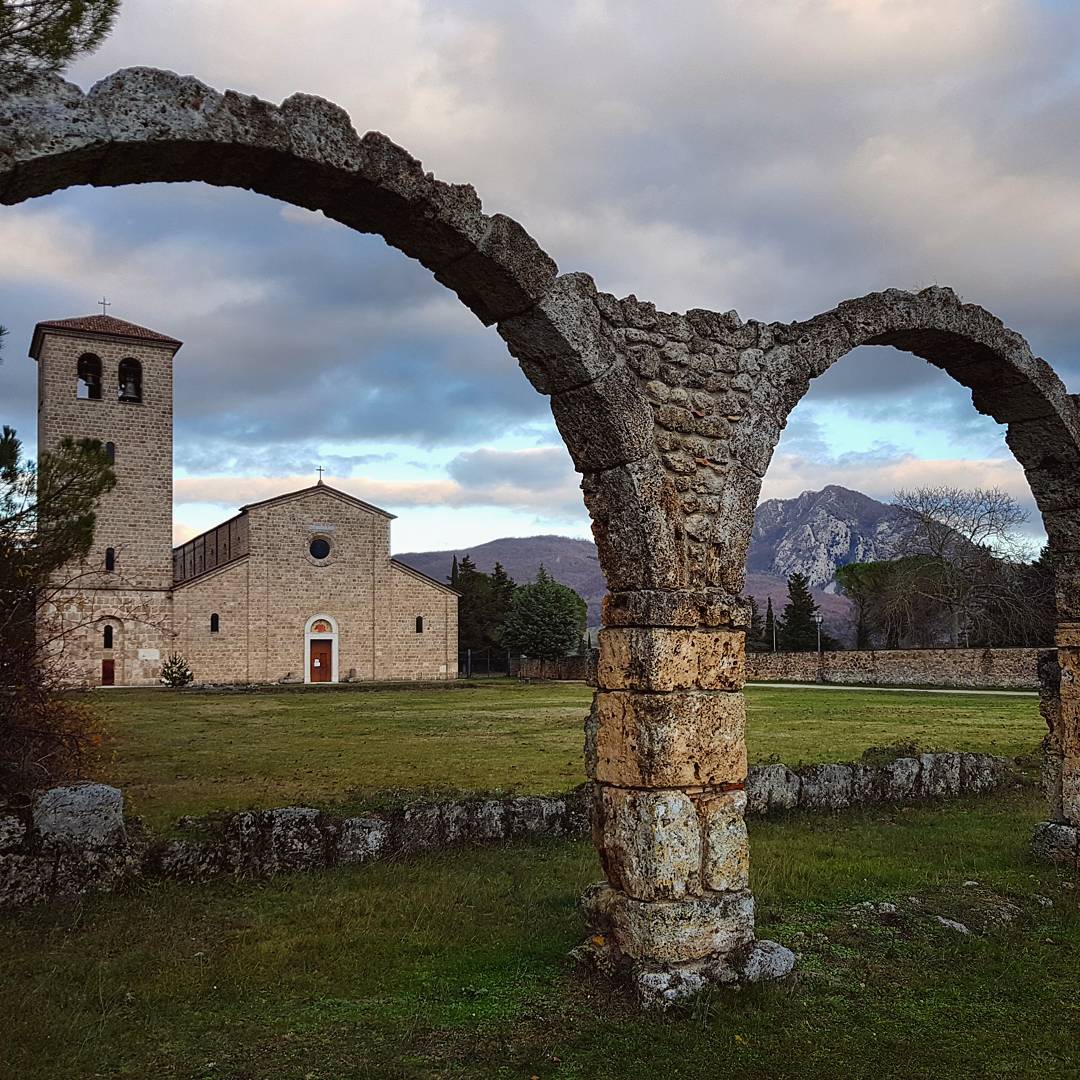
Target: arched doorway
x,y
321,649
670,418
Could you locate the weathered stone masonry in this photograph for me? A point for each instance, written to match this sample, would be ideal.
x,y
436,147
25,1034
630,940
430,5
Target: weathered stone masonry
x,y
671,420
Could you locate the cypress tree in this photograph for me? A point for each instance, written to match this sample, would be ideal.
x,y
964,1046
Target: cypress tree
x,y
797,629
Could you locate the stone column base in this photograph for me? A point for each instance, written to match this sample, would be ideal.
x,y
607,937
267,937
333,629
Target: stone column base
x,y
659,986
1057,842
670,950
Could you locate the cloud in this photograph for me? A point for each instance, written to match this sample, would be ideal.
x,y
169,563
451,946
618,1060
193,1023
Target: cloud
x,y
538,481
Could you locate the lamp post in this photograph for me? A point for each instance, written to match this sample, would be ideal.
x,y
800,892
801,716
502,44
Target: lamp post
x,y
817,619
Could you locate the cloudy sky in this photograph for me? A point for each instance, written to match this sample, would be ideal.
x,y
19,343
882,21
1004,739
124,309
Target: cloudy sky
x,y
773,156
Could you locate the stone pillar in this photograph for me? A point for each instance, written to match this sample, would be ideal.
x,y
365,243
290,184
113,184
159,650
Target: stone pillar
x,y
666,754
1058,839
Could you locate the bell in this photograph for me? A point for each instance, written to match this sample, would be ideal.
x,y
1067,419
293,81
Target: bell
x,y
129,392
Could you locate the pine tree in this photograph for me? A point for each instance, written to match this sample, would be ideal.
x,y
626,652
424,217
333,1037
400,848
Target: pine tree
x,y
797,630
757,625
175,672
454,575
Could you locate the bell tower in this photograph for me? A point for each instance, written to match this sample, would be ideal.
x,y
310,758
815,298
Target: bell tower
x,y
103,378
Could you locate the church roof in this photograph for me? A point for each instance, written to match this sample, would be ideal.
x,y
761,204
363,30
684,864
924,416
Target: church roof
x,y
106,325
320,486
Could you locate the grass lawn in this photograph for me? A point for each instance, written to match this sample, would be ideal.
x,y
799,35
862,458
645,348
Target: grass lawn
x,y
454,966
190,753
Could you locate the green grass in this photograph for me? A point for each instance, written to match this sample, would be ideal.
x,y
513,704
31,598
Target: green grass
x,y
192,753
453,966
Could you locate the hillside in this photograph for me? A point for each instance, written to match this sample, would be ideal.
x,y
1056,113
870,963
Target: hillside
x,y
814,534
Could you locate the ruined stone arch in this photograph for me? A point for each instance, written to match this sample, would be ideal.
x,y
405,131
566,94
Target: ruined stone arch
x,y
671,420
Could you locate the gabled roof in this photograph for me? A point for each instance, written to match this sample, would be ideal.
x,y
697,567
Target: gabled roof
x,y
320,486
105,325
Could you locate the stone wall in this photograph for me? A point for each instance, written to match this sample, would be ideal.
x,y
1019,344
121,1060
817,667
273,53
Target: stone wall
x,y
75,839
1013,669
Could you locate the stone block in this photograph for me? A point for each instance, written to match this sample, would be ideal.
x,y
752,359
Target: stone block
x,y
361,839
771,787
689,608
80,815
980,773
939,775
490,822
1050,776
12,831
865,784
25,879
825,787
668,740
726,862
598,903
767,961
560,343
634,510
649,842
605,423
668,659
1056,843
900,779
672,931
1070,790
294,840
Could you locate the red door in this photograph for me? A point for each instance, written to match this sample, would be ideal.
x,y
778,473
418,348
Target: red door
x,y
108,672
321,661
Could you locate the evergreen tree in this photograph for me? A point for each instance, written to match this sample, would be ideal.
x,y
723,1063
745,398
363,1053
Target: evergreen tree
x,y
475,626
175,672
768,632
44,35
797,631
545,620
756,633
454,576
502,593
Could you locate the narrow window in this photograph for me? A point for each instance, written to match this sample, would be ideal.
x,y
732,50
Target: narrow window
x,y
130,380
110,452
106,636
88,385
419,624
110,560
215,623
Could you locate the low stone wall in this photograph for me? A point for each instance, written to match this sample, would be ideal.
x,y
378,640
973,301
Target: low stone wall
x,y
973,669
565,669
76,840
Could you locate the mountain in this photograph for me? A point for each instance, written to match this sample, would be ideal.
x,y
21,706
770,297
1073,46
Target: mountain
x,y
819,531
573,562
814,534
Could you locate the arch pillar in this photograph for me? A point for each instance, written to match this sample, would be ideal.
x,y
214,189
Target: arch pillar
x,y
666,754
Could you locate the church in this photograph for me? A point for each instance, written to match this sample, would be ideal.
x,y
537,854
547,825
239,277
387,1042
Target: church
x,y
296,588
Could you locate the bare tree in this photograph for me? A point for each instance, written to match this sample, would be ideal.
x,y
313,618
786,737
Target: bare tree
x,y
969,538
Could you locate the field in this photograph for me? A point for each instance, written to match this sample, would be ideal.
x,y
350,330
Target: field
x,y
455,966
191,753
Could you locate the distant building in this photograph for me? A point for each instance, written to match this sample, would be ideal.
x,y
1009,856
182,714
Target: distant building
x,y
300,587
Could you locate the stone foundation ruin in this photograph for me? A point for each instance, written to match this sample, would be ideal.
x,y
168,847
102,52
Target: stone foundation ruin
x,y
670,418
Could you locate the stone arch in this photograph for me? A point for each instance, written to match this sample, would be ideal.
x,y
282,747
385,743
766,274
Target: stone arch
x,y
670,418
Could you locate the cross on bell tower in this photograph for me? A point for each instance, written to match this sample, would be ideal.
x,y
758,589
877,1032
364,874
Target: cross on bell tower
x,y
319,470
104,304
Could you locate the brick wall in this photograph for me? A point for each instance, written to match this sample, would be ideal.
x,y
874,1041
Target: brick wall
x,y
971,668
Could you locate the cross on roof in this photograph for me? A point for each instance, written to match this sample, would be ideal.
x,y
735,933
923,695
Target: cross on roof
x,y
104,304
319,470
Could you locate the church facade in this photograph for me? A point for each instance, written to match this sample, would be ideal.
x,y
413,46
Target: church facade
x,y
297,588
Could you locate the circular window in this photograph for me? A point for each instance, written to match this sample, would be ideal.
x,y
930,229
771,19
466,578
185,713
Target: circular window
x,y
319,548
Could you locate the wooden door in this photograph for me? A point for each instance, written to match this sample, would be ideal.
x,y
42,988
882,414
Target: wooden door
x,y
321,661
108,672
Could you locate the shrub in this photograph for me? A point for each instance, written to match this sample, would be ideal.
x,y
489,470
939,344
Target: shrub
x,y
175,672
